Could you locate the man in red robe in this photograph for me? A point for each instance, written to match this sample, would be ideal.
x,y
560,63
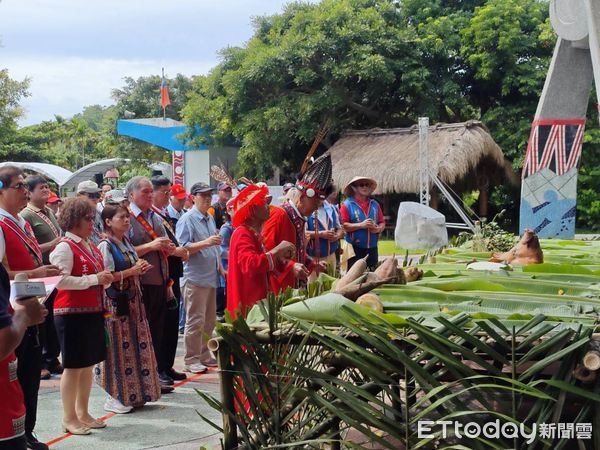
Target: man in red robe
x,y
250,265
288,222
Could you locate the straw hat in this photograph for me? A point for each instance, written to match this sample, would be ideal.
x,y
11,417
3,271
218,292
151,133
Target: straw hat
x,y
348,188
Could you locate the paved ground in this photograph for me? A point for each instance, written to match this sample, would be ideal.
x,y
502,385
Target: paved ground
x,y
171,423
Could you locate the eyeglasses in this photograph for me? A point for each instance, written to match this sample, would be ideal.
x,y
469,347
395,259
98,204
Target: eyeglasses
x,y
19,186
363,184
167,192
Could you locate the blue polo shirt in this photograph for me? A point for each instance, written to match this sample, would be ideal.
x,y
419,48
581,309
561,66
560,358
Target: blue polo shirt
x,y
202,268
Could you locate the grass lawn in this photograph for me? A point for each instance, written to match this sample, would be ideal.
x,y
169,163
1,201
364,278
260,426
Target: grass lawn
x,y
387,247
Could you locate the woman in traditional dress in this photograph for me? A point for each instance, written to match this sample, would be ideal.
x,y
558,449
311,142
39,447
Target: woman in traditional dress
x,y
78,312
129,373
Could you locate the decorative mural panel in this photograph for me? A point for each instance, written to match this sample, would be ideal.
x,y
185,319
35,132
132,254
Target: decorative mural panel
x,y
179,167
549,189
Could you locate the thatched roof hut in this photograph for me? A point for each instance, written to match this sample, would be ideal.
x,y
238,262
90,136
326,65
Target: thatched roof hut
x,y
463,155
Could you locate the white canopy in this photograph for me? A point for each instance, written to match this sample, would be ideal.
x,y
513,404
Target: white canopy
x,y
55,173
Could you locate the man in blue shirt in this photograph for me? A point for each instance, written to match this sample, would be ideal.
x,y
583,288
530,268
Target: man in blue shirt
x,y
197,232
324,231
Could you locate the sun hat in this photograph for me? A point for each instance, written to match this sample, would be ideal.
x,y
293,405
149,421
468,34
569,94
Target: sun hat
x,y
348,192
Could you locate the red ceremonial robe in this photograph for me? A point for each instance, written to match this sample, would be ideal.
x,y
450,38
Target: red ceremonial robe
x,y
280,227
247,275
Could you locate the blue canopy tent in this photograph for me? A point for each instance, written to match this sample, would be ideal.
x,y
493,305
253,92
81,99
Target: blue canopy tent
x,y
169,134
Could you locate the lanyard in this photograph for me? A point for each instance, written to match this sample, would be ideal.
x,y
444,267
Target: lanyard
x,y
140,218
46,219
91,255
166,223
25,236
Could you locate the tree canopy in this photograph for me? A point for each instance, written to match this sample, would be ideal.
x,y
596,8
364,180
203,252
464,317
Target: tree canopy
x,y
375,63
11,93
348,63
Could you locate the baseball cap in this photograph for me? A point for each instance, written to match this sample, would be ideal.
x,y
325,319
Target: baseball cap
x,y
53,198
222,186
88,187
115,196
200,187
178,191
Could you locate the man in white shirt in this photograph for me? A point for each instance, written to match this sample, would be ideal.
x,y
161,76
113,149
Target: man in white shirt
x,y
22,254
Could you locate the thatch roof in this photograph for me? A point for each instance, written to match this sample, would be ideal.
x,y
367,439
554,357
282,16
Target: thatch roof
x,y
463,155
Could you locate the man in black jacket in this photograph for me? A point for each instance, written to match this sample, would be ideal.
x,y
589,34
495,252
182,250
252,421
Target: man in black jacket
x,y
160,201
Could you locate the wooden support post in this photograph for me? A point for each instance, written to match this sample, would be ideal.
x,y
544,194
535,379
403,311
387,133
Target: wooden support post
x,y
230,438
434,201
483,201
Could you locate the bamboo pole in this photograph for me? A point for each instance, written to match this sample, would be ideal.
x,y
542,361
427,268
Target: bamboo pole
x,y
591,360
223,353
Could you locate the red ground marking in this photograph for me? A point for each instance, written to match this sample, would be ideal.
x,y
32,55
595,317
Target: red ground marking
x,y
112,414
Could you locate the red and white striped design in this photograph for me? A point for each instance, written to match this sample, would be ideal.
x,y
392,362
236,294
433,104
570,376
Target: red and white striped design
x,y
558,146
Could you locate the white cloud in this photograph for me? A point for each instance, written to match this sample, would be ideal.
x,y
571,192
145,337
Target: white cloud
x,y
64,86
77,51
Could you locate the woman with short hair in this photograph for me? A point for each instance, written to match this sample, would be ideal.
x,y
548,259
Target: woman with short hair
x,y
78,312
129,373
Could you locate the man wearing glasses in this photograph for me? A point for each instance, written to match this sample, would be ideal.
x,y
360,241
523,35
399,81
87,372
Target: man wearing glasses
x,y
362,219
219,209
196,231
160,201
22,253
90,190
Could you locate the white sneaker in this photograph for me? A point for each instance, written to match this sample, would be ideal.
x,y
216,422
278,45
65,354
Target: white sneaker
x,y
195,368
114,405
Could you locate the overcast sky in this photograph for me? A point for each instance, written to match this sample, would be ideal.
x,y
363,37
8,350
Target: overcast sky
x,y
76,51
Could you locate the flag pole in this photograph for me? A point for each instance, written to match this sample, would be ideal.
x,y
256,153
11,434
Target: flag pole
x,y
165,106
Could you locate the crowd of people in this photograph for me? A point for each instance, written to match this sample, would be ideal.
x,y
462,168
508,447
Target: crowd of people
x,y
141,265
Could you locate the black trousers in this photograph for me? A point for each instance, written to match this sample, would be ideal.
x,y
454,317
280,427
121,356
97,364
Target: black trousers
x,y
49,338
170,331
155,303
18,443
372,258
29,366
221,301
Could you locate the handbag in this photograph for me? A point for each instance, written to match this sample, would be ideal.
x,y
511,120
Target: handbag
x,y
120,297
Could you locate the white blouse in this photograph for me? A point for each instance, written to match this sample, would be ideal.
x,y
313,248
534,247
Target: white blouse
x,y
62,256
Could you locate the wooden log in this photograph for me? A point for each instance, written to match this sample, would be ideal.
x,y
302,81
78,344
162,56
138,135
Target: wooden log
x,y
223,353
591,360
584,375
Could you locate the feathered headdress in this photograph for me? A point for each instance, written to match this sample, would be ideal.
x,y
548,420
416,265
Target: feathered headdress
x,y
220,174
315,178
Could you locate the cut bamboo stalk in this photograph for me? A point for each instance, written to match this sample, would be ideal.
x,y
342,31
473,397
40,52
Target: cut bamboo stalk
x,y
591,360
230,437
584,375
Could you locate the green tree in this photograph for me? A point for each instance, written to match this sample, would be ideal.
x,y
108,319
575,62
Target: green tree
x,y
142,96
374,63
11,93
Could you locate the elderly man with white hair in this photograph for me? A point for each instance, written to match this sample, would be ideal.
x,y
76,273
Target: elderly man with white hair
x,y
149,237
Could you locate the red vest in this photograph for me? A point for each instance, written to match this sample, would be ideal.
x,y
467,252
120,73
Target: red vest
x,y
12,413
20,246
12,406
84,301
